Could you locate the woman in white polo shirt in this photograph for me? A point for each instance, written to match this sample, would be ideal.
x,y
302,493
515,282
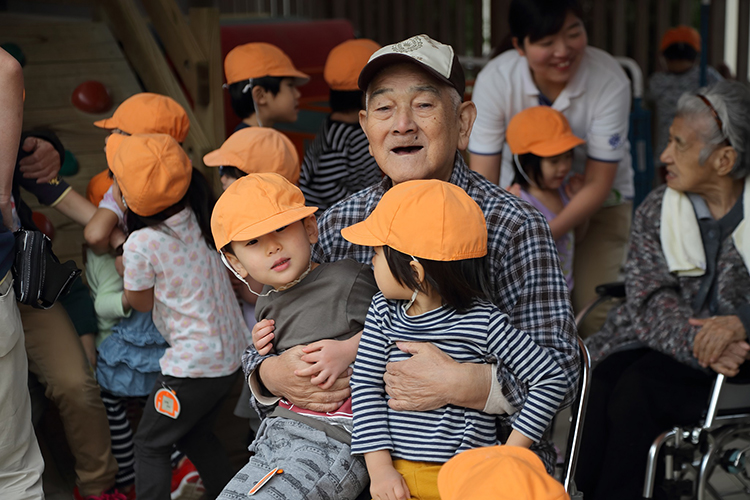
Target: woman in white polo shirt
x,y
553,65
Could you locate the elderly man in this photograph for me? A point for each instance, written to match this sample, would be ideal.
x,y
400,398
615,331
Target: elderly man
x,y
415,121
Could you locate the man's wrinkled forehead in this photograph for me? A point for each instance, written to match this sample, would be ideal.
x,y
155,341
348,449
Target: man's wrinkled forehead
x,y
422,80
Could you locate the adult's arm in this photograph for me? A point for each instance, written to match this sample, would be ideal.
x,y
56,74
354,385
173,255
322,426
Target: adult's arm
x,y
11,118
488,133
487,165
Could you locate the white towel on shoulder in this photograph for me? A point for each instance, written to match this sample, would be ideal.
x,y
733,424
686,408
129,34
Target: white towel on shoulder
x,y
681,236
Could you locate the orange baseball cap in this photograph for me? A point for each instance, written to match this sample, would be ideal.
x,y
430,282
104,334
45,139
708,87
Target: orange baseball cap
x,y
255,150
256,60
681,34
542,131
97,187
255,205
500,473
430,219
148,113
345,63
152,171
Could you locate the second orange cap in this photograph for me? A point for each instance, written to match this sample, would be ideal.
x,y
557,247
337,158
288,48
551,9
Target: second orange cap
x,y
542,131
258,59
345,63
148,113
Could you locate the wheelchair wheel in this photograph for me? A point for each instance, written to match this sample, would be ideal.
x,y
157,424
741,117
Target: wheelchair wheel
x,y
724,471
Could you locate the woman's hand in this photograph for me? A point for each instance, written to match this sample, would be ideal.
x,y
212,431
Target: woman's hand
x,y
715,335
277,375
731,359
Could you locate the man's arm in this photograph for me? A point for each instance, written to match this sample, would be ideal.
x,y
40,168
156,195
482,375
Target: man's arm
x,y
11,118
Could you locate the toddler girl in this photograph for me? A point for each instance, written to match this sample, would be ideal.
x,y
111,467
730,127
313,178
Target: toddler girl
x,y
430,242
172,270
542,145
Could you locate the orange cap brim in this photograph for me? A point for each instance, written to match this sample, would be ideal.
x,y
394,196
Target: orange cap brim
x,y
271,224
219,158
556,147
360,234
108,123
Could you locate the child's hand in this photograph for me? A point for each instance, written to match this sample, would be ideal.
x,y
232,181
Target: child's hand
x,y
328,359
387,484
262,336
574,184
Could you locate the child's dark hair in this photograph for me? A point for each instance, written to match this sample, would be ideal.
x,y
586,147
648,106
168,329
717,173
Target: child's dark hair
x,y
343,101
539,18
242,102
532,165
458,282
231,172
199,198
680,52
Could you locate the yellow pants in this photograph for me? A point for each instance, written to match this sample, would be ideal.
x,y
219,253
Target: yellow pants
x,y
420,477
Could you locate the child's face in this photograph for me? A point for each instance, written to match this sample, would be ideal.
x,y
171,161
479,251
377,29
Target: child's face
x,y
284,106
555,169
387,284
279,257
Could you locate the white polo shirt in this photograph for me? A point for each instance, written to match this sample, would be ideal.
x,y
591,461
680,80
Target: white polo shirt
x,y
596,102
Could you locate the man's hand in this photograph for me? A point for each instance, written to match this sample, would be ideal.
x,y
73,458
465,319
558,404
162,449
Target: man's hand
x,y
277,375
730,360
43,164
715,335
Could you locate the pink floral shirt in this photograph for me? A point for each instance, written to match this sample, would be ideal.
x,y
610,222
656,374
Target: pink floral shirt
x,y
194,306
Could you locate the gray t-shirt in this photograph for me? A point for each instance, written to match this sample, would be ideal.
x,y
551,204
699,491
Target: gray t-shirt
x,y
330,303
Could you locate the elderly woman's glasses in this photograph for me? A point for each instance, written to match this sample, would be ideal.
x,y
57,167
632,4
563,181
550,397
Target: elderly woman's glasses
x,y
717,119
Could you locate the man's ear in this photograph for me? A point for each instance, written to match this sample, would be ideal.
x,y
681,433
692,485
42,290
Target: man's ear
x,y
362,123
467,114
418,270
724,160
311,226
236,264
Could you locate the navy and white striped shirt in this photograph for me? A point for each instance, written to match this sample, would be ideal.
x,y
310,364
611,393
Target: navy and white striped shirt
x,y
479,335
338,163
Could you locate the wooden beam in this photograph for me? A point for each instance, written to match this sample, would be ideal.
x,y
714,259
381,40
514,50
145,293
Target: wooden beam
x,y
685,12
599,28
204,23
149,63
641,35
663,23
743,37
717,27
620,34
181,46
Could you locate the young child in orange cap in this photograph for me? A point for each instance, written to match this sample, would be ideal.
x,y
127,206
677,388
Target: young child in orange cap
x,y
262,83
430,242
254,150
172,270
498,473
264,230
143,113
542,145
338,162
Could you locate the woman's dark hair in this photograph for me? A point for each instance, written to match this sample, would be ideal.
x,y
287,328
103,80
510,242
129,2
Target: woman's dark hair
x,y
343,101
199,198
242,102
532,165
539,18
458,282
680,52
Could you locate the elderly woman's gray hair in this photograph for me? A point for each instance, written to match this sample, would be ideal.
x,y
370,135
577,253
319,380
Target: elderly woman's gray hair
x,y
731,102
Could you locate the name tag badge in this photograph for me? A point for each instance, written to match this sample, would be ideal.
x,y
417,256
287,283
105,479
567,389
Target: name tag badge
x,y
166,403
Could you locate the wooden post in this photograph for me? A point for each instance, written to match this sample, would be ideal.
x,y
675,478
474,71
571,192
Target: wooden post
x,y
599,29
204,23
184,51
685,12
743,37
149,63
477,25
663,23
499,23
620,34
460,43
641,35
716,32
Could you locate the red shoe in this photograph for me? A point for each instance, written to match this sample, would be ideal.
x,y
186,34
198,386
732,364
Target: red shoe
x,y
112,494
186,479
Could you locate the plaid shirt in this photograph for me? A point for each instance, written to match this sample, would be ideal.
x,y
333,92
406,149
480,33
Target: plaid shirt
x,y
525,276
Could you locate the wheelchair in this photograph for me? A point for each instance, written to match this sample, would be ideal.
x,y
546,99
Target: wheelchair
x,y
706,460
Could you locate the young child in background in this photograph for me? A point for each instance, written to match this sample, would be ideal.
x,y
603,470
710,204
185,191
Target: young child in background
x,y
143,113
247,151
338,162
172,270
680,47
262,83
430,242
542,145
264,230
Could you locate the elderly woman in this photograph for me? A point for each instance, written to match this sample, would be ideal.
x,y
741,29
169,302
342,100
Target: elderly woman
x,y
688,295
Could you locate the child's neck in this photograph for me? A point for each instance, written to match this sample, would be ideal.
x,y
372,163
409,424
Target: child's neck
x,y
257,119
550,198
425,302
299,279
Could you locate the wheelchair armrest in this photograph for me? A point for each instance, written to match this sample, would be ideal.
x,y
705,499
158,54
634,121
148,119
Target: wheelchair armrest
x,y
614,290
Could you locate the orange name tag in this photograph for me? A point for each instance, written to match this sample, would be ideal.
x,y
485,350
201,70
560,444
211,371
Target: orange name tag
x,y
166,403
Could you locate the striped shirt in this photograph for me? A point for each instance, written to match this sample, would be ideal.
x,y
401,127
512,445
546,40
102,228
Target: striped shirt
x,y
476,336
338,163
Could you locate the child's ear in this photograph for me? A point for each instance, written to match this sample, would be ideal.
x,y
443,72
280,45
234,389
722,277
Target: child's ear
x,y
236,264
259,95
311,226
418,270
